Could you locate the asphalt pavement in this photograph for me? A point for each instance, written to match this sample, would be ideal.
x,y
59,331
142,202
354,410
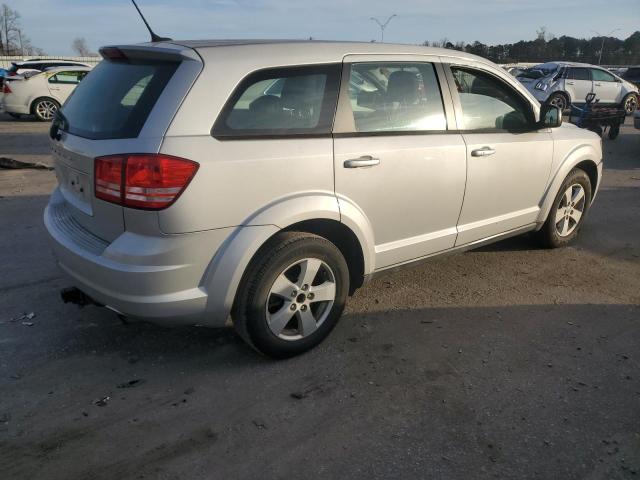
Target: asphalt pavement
x,y
505,362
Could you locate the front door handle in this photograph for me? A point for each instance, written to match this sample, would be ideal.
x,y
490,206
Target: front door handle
x,y
483,152
570,83
364,161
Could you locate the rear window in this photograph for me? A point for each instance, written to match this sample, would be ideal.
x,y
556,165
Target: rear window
x,y
115,100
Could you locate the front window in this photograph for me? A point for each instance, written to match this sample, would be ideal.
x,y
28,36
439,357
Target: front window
x,y
282,101
488,103
601,76
388,97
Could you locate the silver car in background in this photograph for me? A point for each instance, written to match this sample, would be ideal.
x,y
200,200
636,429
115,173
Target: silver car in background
x,y
564,83
260,183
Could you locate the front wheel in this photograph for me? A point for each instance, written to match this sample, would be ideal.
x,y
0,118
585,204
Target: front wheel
x,y
45,108
568,211
292,294
630,103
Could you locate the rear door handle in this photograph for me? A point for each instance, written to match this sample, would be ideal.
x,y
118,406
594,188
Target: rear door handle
x,y
483,152
570,83
598,84
364,161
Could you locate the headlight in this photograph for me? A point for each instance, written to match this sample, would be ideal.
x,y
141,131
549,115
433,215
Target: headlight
x,y
541,86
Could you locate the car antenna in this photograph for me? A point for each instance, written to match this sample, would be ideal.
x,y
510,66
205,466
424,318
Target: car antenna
x,y
154,37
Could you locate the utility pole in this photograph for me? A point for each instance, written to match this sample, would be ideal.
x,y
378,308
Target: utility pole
x,y
20,40
603,39
383,25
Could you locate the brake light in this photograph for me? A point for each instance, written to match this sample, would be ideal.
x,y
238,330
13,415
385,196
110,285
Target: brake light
x,y
144,181
6,88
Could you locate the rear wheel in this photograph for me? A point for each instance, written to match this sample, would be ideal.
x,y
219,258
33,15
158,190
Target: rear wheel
x,y
568,211
292,295
630,103
559,100
45,108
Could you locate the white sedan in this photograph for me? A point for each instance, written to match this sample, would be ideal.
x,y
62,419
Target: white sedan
x,y
41,94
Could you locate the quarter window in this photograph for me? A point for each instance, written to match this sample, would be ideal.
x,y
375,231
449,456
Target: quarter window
x,y
601,76
578,74
387,97
488,103
284,101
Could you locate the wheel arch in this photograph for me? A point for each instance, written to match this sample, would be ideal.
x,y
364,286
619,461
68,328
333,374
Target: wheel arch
x,y
581,157
318,214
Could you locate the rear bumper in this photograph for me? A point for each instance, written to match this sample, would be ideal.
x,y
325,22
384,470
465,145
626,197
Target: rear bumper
x,y
155,278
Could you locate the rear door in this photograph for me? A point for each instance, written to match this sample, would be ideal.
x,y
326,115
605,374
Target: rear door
x,y
508,160
397,158
578,83
606,87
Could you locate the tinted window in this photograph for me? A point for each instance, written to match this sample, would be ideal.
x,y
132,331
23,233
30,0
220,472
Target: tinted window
x,y
388,97
489,103
578,74
67,77
632,73
283,101
601,76
116,99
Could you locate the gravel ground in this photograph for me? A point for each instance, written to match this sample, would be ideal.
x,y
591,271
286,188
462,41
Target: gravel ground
x,y
505,362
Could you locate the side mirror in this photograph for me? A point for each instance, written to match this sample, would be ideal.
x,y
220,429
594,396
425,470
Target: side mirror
x,y
550,116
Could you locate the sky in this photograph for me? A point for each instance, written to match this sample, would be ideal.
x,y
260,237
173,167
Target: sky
x,y
53,24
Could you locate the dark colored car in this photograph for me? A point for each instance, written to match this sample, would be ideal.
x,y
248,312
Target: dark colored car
x,y
632,75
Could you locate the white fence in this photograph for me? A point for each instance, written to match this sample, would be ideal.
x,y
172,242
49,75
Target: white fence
x,y
5,61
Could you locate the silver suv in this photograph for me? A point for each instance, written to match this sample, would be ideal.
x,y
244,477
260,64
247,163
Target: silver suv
x,y
261,183
564,83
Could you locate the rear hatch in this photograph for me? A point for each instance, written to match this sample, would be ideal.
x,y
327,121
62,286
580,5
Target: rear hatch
x,y
124,105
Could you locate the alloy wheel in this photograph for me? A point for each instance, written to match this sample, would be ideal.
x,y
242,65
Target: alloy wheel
x,y
559,101
300,299
570,210
631,104
46,109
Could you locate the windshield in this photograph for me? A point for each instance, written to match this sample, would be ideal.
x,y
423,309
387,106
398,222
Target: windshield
x,y
115,99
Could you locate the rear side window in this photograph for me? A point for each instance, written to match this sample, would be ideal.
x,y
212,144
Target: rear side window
x,y
578,74
387,97
67,77
116,99
282,101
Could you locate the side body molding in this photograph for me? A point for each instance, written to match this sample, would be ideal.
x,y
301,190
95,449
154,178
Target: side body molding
x,y
224,273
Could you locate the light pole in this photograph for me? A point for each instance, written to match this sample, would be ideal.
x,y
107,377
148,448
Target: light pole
x,y
383,25
603,38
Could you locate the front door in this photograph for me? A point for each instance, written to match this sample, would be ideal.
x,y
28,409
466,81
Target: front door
x,y
606,87
395,159
508,162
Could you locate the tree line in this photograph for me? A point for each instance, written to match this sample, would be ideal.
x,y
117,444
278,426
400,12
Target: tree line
x,y
546,47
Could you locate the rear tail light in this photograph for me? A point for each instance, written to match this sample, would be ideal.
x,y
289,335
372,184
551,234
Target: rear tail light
x,y
6,88
144,181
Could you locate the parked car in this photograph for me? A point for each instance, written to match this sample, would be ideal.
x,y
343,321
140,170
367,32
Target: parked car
x,y
41,94
38,65
564,83
203,181
632,75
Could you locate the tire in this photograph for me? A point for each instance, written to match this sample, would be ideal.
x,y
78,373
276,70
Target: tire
x,y
560,100
630,103
553,233
614,132
270,306
44,108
